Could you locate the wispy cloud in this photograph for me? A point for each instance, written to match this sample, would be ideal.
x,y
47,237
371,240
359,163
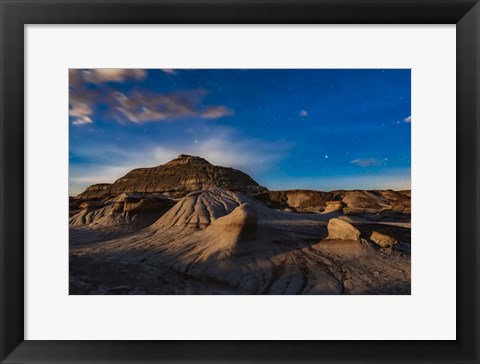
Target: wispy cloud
x,y
81,113
100,75
79,109
368,162
149,107
83,100
408,119
139,107
169,71
303,113
215,112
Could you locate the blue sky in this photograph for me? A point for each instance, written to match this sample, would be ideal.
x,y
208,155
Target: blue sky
x,y
312,129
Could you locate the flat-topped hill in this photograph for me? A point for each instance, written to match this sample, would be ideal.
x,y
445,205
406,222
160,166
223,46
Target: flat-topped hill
x,y
177,178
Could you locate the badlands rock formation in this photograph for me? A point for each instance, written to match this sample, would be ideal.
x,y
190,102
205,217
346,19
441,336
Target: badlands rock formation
x,y
99,220
225,234
176,178
99,190
350,202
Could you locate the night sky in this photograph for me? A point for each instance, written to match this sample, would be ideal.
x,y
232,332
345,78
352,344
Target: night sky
x,y
312,129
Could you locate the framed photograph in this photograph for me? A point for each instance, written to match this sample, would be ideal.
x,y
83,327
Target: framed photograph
x,y
240,181
180,218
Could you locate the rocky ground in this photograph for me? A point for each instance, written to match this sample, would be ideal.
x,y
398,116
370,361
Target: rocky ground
x,y
220,242
188,227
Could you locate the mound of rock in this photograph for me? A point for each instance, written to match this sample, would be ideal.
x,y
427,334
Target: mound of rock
x,y
197,210
240,224
342,230
334,206
125,213
177,178
90,216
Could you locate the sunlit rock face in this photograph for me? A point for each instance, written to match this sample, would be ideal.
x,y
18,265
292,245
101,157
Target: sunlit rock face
x,y
342,230
383,240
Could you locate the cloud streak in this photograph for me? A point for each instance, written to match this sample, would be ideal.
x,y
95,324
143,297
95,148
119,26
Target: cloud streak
x,y
169,71
215,112
150,107
101,75
80,110
133,106
81,113
368,162
83,100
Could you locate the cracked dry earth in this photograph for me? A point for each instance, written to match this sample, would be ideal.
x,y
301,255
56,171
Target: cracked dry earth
x,y
221,242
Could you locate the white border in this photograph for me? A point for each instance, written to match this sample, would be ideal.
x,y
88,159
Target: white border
x,y
429,313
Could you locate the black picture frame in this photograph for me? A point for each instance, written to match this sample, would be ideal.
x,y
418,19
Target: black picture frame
x,y
15,14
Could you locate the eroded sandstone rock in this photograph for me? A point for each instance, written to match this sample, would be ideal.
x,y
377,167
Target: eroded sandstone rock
x,y
342,230
177,178
383,240
354,202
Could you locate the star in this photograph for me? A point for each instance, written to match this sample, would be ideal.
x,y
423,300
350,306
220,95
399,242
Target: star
x,y
195,141
326,157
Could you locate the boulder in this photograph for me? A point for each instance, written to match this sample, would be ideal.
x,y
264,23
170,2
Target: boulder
x,y
383,240
342,230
